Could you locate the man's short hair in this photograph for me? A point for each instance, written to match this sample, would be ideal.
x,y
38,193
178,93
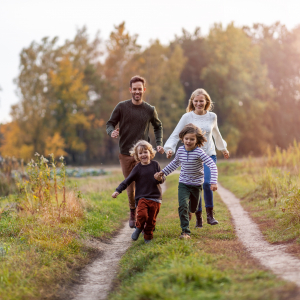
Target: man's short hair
x,y
137,78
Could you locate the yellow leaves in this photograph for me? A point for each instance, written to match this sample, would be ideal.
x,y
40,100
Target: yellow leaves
x,y
13,142
79,119
67,82
55,145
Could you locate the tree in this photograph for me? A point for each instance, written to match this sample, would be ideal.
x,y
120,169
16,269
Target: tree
x,y
238,84
280,53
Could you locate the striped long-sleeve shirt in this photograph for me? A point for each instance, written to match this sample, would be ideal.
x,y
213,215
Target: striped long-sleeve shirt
x,y
191,162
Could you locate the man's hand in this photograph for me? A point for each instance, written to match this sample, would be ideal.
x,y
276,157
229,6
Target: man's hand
x,y
115,133
226,154
158,176
115,194
169,154
160,149
213,187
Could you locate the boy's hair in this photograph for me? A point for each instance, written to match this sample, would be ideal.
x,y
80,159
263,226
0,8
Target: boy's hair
x,y
145,145
137,78
198,92
191,128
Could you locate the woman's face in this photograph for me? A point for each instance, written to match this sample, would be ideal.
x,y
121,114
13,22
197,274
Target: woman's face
x,y
199,103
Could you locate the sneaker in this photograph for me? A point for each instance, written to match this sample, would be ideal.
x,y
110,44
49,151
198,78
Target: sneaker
x,y
147,241
185,236
136,234
132,218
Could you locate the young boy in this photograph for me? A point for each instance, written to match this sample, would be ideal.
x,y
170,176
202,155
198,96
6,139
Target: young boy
x,y
148,194
191,159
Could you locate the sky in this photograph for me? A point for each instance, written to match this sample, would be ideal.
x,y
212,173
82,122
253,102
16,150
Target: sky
x,y
22,22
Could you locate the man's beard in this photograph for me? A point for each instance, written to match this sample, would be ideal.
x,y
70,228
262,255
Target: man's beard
x,y
137,97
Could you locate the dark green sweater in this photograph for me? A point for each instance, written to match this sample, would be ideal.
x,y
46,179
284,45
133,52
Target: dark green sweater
x,y
134,122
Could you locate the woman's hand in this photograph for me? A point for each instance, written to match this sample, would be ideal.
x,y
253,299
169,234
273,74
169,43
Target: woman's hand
x,y
214,187
226,154
169,153
115,194
158,176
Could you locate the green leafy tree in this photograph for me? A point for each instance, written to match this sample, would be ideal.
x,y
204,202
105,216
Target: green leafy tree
x,y
238,84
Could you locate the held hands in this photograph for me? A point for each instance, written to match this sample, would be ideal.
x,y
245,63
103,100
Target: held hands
x,y
115,194
115,133
158,175
160,149
213,187
169,153
226,154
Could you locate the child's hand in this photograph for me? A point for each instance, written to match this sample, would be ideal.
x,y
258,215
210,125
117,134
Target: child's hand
x,y
115,194
158,176
169,154
213,187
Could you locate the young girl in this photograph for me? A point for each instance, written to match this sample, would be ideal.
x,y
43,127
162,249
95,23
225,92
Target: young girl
x,y
191,159
148,194
199,113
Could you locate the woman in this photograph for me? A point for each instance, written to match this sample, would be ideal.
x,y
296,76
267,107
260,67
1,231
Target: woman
x,y
199,114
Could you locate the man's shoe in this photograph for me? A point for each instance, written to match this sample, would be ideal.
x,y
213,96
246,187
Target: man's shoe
x,y
136,234
132,218
190,216
199,223
185,236
210,218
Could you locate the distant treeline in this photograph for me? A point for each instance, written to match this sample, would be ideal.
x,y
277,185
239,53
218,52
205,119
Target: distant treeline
x,y
68,92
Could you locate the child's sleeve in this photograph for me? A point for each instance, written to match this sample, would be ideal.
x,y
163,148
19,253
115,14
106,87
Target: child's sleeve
x,y
172,166
131,177
210,163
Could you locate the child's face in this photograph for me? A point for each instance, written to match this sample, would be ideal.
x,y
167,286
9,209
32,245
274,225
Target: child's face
x,y
144,156
189,141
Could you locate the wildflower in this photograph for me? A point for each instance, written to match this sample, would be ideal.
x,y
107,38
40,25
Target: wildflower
x,y
36,154
45,160
61,158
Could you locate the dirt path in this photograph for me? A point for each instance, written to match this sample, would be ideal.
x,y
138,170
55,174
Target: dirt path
x,y
271,256
97,277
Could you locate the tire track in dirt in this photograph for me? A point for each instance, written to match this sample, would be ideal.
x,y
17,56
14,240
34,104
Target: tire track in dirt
x,y
97,278
273,257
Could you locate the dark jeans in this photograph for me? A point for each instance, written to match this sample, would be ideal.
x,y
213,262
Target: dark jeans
x,y
188,198
208,193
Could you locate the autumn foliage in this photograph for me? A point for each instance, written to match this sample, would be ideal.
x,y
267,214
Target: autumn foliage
x,y
67,92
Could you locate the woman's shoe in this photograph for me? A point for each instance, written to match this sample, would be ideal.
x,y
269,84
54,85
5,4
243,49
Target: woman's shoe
x,y
210,217
199,222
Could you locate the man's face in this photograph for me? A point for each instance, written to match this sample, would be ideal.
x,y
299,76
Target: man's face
x,y
137,90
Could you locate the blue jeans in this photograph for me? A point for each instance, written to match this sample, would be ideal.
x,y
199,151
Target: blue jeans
x,y
208,193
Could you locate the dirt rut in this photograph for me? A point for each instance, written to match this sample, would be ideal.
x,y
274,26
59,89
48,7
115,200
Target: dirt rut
x,y
271,256
97,277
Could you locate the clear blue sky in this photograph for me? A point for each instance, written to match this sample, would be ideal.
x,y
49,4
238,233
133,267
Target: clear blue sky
x,y
22,21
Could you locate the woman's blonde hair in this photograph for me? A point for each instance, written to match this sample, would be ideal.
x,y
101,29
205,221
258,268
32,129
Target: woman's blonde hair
x,y
145,145
209,104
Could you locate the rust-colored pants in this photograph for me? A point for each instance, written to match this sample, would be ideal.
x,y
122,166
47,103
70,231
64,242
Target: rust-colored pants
x,y
127,164
147,212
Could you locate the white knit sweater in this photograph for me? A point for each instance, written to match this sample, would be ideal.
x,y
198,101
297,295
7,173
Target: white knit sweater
x,y
208,124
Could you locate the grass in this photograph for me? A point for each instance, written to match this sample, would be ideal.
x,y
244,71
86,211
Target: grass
x,y
40,254
270,194
212,265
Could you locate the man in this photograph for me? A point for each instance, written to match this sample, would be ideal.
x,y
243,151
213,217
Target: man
x,y
134,117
